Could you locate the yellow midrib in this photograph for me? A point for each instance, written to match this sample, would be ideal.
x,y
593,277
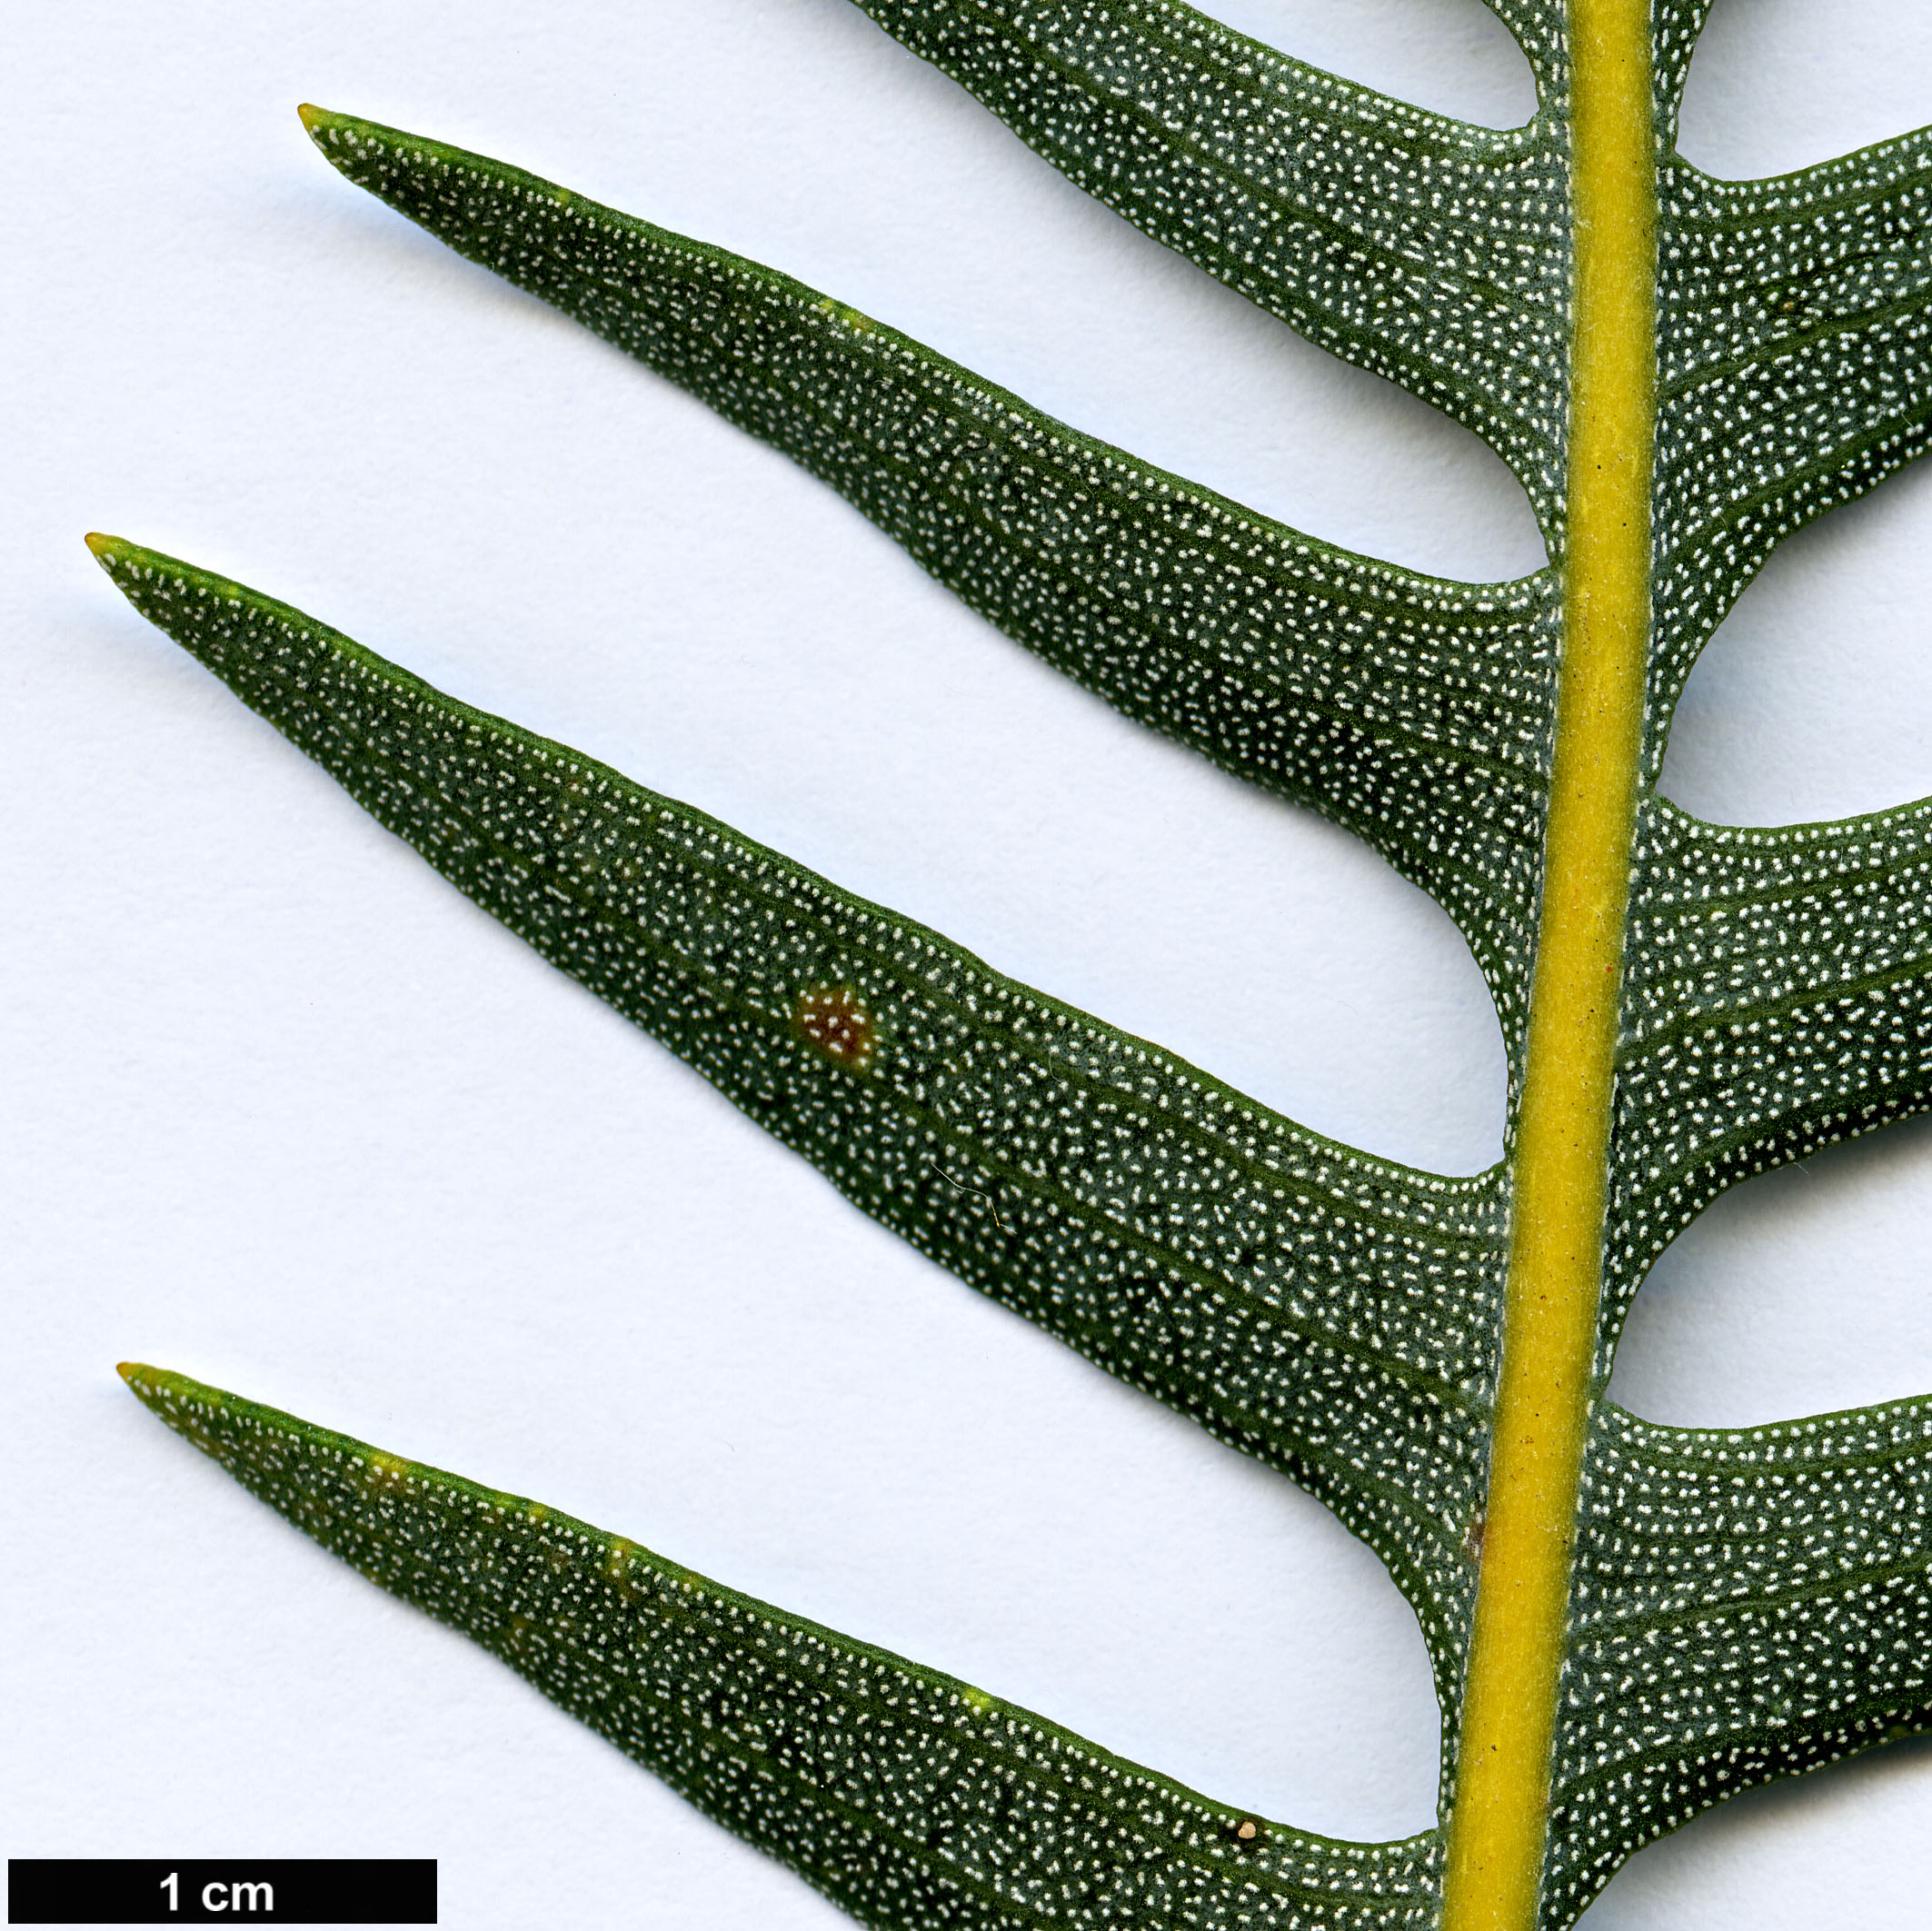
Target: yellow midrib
x,y
1499,1826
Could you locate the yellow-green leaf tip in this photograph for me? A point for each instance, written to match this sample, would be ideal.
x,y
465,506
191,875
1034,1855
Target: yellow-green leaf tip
x,y
148,1383
314,118
107,547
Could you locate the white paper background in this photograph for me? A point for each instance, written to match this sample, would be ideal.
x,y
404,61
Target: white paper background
x,y
289,1114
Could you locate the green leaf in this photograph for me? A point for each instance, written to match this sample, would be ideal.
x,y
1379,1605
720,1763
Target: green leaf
x,y
1780,998
906,1796
1411,710
1795,362
1327,1311
1750,1603
1416,245
1628,1623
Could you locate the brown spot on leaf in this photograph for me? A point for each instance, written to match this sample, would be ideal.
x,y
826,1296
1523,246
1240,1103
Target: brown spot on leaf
x,y
1248,1831
834,1020
1472,1539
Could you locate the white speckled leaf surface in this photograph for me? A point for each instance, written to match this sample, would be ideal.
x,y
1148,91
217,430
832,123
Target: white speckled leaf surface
x,y
1747,1603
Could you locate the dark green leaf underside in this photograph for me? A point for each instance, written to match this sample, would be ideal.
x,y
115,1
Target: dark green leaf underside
x,y
910,1798
1415,711
1423,248
1330,1313
1750,1604
1746,1604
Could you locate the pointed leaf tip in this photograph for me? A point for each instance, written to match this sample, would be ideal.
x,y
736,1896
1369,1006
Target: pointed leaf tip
x,y
105,547
145,1381
150,1386
879,1780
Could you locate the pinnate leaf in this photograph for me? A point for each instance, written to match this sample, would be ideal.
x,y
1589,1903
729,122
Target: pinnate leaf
x,y
1413,710
1327,1311
1728,1607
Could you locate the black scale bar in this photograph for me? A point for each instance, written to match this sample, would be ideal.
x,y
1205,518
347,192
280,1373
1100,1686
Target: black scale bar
x,y
221,1891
